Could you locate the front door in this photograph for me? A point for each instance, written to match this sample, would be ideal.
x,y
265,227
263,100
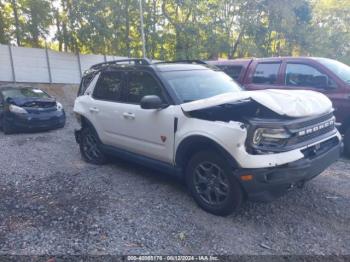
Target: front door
x,y
148,132
308,77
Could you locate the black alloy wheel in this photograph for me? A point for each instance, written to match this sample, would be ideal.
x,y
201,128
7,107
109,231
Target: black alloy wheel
x,y
90,147
212,184
6,128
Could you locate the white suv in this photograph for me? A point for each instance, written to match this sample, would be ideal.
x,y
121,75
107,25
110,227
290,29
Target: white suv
x,y
192,120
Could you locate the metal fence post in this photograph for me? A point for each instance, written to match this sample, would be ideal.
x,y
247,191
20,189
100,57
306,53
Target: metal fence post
x,y
48,63
12,65
105,58
79,64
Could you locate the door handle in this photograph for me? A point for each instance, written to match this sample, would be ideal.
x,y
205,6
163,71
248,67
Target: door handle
x,y
94,109
128,115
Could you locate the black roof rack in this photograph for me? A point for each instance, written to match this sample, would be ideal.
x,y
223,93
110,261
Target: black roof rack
x,y
135,61
186,61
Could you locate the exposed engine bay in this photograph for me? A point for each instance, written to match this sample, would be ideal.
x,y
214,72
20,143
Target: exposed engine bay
x,y
240,111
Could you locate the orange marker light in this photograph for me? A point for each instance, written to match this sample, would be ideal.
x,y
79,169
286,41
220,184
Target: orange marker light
x,y
247,177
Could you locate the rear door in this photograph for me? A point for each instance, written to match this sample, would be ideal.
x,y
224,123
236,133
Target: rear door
x,y
264,75
105,106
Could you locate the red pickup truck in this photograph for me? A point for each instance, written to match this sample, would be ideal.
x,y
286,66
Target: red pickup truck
x,y
324,75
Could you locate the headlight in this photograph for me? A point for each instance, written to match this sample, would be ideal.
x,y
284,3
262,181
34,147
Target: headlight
x,y
270,136
17,109
59,106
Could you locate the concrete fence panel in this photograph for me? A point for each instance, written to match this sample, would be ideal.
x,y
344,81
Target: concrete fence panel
x,y
35,65
30,65
88,60
5,64
64,67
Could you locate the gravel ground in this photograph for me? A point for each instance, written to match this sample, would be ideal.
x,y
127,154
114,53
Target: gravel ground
x,y
52,202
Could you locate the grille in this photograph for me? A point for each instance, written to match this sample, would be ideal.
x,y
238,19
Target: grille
x,y
37,104
303,132
309,130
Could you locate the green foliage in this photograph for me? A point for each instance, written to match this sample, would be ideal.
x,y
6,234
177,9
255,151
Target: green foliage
x,y
182,29
36,19
5,22
332,34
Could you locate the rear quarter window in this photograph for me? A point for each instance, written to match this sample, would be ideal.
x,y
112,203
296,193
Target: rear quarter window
x,y
233,71
84,84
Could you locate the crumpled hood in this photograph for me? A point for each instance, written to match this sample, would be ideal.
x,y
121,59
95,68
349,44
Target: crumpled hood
x,y
292,103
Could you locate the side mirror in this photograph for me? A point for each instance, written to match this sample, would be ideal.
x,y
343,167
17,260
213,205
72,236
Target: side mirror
x,y
151,102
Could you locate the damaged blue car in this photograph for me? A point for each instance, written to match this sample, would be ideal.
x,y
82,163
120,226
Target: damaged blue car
x,y
26,109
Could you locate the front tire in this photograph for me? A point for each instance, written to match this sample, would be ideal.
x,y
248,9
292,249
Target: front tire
x,y
211,183
90,147
6,128
347,142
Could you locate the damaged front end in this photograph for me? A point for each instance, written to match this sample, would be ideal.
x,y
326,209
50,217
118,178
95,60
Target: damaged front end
x,y
269,132
283,148
271,127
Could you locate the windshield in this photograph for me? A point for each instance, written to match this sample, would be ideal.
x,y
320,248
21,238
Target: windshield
x,y
24,93
200,84
338,68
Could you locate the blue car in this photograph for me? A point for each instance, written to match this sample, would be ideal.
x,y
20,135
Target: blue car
x,y
24,109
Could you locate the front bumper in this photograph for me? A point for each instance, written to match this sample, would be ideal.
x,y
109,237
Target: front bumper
x,y
36,122
270,183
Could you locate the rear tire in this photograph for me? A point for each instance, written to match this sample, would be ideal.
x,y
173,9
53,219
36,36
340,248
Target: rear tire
x,y
347,142
90,147
211,183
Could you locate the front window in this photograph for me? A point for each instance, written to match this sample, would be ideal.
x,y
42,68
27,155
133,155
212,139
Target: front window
x,y
24,93
200,84
141,84
300,75
338,68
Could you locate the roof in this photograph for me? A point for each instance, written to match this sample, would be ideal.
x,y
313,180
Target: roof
x,y
165,67
230,62
244,61
181,65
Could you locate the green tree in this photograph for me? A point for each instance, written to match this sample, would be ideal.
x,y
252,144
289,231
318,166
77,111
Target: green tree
x,y
32,20
5,22
331,37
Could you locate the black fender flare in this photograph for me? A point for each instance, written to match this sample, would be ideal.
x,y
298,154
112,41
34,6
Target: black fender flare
x,y
86,123
195,143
